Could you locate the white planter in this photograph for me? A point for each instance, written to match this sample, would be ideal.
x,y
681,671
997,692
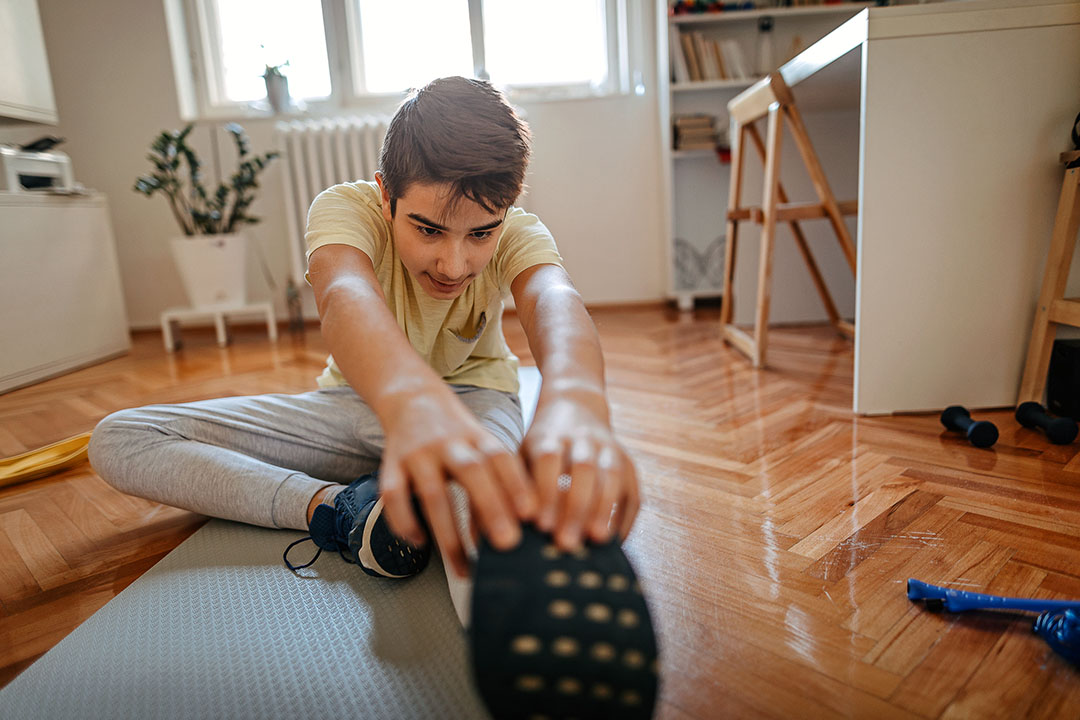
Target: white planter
x,y
277,92
213,268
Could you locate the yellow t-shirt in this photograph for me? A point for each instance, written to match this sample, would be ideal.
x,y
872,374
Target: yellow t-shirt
x,y
461,339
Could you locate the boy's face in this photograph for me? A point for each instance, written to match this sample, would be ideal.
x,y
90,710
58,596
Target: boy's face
x,y
443,251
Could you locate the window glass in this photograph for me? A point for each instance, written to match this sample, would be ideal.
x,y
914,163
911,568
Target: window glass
x,y
545,42
257,33
407,44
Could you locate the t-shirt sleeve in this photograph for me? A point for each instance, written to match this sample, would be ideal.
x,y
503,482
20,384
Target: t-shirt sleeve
x,y
346,214
525,242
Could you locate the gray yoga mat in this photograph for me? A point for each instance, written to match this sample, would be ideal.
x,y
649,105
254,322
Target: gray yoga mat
x,y
220,628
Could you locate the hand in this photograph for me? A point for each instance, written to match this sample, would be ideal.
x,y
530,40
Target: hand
x,y
575,437
432,438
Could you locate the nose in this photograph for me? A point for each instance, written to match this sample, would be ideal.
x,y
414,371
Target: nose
x,y
451,264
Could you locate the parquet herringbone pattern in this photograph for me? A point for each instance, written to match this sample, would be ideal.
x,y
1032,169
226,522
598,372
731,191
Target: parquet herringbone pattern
x,y
776,534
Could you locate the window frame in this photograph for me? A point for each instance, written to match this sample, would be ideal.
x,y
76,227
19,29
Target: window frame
x,y
201,84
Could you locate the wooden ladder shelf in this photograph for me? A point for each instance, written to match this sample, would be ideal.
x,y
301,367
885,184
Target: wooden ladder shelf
x,y
1054,308
773,98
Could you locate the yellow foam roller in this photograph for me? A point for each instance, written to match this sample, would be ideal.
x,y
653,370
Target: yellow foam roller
x,y
44,460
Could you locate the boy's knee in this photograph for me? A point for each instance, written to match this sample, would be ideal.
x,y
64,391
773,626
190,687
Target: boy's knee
x,y
108,439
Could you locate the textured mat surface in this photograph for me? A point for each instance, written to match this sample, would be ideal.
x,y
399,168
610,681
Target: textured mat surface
x,y
221,629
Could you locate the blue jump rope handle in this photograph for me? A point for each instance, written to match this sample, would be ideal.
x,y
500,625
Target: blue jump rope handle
x,y
1058,624
960,600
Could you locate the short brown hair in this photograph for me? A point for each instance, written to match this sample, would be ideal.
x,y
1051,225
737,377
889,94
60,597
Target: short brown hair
x,y
460,132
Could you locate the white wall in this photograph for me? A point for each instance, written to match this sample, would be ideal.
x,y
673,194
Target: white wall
x,y
594,179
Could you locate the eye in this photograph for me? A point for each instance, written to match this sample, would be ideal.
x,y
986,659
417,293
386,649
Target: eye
x,y
427,231
482,235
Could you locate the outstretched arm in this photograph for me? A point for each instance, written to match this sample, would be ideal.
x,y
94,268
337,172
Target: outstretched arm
x,y
431,436
571,430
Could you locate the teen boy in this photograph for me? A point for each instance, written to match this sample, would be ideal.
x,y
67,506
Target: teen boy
x,y
409,275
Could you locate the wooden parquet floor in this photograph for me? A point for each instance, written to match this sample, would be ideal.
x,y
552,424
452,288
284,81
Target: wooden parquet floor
x,y
777,532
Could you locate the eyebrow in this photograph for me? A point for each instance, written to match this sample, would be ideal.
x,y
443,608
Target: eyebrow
x,y
421,219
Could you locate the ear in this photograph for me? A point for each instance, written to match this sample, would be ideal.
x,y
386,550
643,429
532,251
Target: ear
x,y
387,215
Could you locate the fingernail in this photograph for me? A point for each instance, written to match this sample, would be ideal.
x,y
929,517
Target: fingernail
x,y
526,507
546,521
570,539
508,534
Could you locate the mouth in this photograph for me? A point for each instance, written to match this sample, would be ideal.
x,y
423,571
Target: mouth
x,y
446,287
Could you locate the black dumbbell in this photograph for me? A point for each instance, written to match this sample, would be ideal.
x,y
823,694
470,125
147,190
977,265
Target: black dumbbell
x,y
1060,431
982,434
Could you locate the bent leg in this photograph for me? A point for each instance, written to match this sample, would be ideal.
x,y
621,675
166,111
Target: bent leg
x,y
257,459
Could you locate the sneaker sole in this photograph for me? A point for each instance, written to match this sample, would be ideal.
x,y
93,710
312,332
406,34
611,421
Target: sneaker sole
x,y
380,552
560,635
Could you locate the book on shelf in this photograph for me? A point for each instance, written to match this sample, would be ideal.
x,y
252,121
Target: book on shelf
x,y
709,71
734,60
795,48
718,58
680,73
710,145
687,43
696,58
696,135
694,121
695,131
698,144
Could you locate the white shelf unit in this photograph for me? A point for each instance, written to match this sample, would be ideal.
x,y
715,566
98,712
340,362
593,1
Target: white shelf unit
x,y
695,182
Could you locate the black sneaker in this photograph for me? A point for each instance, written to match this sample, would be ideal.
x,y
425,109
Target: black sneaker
x,y
355,527
561,635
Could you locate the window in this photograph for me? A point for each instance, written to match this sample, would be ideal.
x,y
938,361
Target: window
x,y
342,52
564,45
253,34
405,44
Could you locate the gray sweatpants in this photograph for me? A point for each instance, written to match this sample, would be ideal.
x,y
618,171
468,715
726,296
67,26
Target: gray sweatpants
x,y
260,459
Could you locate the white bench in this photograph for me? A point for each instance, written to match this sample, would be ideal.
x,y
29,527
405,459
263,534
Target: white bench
x,y
173,317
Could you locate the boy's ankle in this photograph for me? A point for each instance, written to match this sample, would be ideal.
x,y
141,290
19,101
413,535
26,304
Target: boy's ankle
x,y
317,499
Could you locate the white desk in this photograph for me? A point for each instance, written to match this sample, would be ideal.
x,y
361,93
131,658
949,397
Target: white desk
x,y
964,109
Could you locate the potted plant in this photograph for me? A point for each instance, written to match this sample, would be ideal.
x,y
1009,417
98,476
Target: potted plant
x,y
212,254
277,87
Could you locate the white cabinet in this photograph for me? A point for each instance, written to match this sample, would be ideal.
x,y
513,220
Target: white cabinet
x,y
695,182
61,302
26,91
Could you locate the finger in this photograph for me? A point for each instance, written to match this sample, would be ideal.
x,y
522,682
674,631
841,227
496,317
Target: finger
x,y
432,490
545,460
469,467
580,496
632,503
608,487
397,505
474,530
511,475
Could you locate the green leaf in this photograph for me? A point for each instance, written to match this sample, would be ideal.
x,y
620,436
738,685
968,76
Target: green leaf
x,y
147,185
240,137
208,214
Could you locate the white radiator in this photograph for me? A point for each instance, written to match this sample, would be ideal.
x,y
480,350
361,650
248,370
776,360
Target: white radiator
x,y
318,154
